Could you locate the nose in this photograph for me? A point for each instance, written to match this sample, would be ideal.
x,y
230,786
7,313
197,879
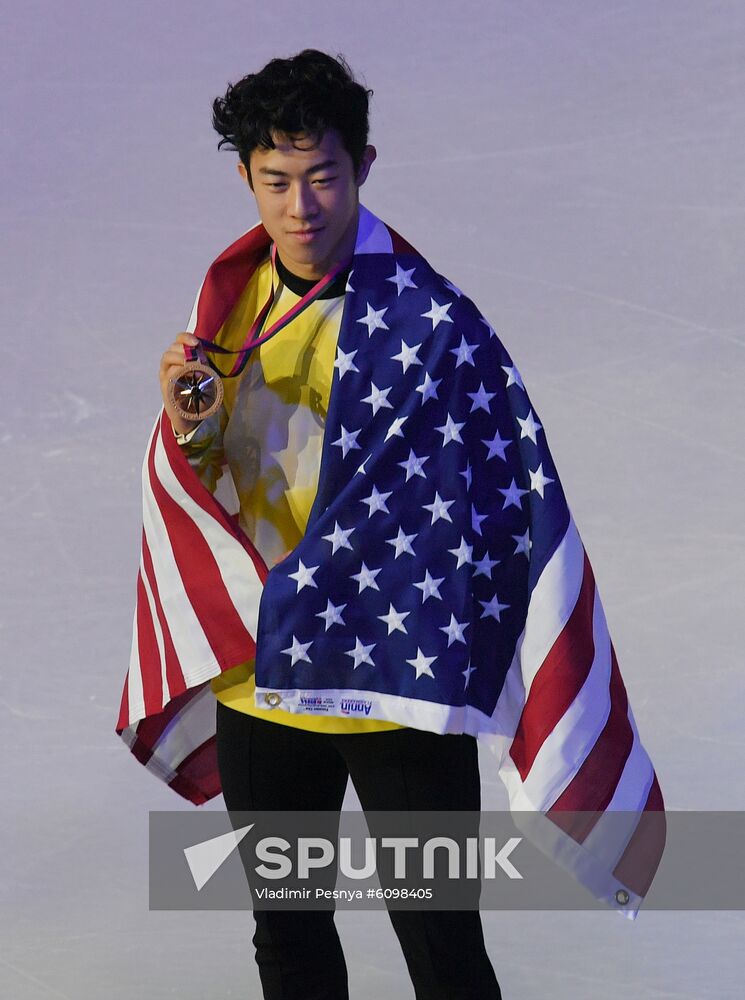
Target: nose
x,y
302,203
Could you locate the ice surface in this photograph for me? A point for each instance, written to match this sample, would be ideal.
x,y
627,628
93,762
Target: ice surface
x,y
577,169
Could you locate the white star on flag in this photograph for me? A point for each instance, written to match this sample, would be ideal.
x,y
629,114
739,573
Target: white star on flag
x,y
366,578
360,653
428,388
402,279
476,520
453,288
463,553
529,427
454,631
464,353
481,399
421,663
538,480
489,327
450,431
348,440
437,313
339,538
466,473
332,614
378,398
298,650
395,619
407,356
348,286
497,446
304,576
523,544
513,377
492,608
512,496
484,566
374,319
395,428
439,508
430,587
402,543
361,468
344,362
467,674
413,465
376,501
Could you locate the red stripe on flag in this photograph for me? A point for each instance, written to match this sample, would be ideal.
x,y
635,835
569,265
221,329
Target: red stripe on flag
x,y
203,583
193,485
639,861
226,279
590,791
198,778
149,654
399,244
123,720
174,673
149,731
558,680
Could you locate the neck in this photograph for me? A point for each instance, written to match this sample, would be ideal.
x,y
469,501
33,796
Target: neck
x,y
301,286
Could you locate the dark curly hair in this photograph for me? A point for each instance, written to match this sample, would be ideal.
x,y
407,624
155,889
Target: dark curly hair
x,y
309,93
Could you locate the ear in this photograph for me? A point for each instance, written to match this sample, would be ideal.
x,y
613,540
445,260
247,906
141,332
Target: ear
x,y
368,157
244,174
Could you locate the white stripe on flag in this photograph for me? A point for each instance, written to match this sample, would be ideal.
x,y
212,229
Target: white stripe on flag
x,y
416,713
236,567
552,601
611,834
565,748
562,849
637,777
192,324
192,648
135,695
509,708
186,731
166,694
372,234
551,604
577,731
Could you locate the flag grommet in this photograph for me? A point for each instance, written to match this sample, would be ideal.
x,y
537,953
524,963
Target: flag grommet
x,y
622,897
273,699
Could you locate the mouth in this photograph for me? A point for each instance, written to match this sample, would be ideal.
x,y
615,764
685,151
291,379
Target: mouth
x,y
306,235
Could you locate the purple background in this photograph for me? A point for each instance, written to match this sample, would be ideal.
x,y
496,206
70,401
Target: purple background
x,y
577,169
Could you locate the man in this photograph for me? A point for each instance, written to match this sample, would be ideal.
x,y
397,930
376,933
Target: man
x,y
427,585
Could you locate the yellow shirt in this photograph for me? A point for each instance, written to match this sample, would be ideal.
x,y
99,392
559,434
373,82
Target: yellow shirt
x,y
269,433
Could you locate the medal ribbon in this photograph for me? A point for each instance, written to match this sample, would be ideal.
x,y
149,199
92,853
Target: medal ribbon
x,y
255,337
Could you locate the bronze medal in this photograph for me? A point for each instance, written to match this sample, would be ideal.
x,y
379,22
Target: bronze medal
x,y
195,391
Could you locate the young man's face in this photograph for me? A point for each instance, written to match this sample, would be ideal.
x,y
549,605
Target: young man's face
x,y
305,188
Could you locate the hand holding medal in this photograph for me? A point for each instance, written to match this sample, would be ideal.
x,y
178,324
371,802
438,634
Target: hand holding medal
x,y
191,384
195,390
191,390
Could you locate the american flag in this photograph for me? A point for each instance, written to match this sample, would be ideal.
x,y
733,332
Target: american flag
x,y
441,582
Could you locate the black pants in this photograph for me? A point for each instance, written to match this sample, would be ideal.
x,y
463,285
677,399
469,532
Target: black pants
x,y
266,765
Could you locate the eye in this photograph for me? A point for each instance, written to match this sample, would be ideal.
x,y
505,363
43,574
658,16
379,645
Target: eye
x,y
324,180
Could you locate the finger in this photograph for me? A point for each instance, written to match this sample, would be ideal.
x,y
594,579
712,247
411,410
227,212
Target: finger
x,y
174,355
